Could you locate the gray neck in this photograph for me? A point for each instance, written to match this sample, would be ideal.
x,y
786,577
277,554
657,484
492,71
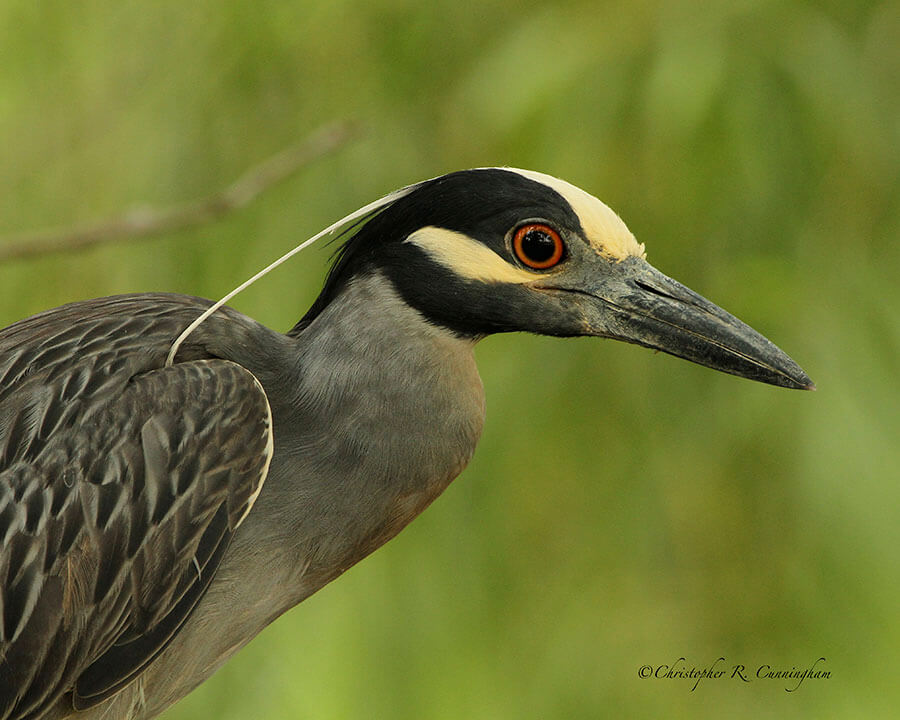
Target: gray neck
x,y
385,410
375,412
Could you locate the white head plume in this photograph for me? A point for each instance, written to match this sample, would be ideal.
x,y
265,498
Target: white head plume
x,y
344,224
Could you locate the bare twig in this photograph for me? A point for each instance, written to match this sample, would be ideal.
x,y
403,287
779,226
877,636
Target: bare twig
x,y
143,222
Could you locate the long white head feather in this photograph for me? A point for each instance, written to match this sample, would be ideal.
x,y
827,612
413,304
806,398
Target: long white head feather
x,y
342,224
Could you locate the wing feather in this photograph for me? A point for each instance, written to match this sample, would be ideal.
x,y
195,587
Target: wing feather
x,y
121,484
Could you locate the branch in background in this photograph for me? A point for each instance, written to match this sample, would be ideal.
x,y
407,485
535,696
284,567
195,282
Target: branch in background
x,y
143,222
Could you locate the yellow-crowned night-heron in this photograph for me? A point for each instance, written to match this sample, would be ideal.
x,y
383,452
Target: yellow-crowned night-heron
x,y
156,515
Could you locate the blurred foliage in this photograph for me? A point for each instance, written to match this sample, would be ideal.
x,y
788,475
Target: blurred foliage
x,y
624,508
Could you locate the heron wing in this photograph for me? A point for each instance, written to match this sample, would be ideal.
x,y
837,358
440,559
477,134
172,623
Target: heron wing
x,y
121,483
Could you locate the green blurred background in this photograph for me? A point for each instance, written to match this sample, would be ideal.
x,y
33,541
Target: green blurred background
x,y
624,508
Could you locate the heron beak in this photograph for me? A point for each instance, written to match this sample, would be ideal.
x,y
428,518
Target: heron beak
x,y
636,303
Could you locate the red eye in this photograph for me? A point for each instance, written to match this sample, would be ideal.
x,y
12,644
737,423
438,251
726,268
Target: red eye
x,y
538,246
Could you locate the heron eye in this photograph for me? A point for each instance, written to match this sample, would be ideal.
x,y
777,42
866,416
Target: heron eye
x,y
538,246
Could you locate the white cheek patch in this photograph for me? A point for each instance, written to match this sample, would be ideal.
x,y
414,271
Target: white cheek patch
x,y
605,231
466,257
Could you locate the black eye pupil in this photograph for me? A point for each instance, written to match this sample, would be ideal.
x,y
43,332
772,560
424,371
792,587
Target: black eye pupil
x,y
538,246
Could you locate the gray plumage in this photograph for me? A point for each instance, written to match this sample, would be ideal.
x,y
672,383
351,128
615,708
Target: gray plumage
x,y
125,510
